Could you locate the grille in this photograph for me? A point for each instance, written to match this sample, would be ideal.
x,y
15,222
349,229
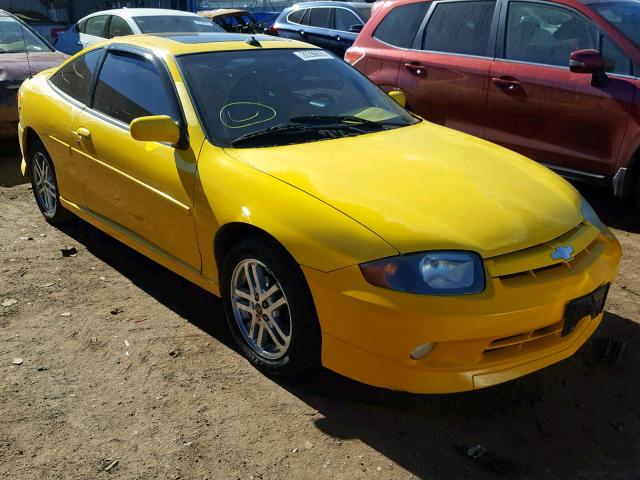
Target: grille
x,y
526,339
536,260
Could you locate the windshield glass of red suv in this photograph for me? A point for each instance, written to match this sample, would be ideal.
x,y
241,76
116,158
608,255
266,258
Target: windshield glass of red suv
x,y
257,98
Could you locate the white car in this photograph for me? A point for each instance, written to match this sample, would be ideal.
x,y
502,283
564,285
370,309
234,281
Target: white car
x,y
129,21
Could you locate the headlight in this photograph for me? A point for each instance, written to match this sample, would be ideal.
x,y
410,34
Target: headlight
x,y
592,217
428,273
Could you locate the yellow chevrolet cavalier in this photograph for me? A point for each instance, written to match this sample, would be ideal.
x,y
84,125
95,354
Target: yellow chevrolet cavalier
x,y
338,228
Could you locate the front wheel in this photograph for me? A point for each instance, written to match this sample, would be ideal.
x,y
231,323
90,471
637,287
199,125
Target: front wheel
x,y
269,309
45,185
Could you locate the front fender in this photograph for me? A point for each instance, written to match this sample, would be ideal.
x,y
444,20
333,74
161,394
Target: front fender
x,y
315,234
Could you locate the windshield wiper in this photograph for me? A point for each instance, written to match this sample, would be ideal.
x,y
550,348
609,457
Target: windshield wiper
x,y
294,127
342,119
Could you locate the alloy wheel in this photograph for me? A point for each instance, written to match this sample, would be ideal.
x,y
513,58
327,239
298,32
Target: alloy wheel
x,y
44,184
261,309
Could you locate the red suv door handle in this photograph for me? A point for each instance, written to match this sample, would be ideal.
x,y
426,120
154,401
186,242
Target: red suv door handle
x,y
416,68
506,83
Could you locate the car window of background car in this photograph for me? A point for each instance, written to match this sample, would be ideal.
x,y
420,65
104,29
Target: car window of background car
x,y
542,33
238,93
119,27
95,26
175,24
624,16
320,17
364,12
76,77
459,27
344,19
296,16
15,38
121,98
80,26
401,24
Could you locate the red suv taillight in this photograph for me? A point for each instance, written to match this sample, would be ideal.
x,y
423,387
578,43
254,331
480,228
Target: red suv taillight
x,y
353,55
272,31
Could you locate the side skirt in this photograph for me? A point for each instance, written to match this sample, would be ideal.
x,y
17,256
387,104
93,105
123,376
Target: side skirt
x,y
142,246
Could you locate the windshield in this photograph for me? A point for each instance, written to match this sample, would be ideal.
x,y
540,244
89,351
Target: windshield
x,y
175,24
624,16
241,93
15,38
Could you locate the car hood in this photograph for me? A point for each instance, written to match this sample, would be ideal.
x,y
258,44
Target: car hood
x,y
14,66
427,187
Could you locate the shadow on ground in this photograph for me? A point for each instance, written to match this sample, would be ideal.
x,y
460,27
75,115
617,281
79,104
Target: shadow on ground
x,y
10,174
576,419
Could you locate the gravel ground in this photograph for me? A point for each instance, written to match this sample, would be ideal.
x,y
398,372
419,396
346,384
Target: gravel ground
x,y
129,373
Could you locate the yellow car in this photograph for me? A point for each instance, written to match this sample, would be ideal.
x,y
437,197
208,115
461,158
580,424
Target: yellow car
x,y
338,228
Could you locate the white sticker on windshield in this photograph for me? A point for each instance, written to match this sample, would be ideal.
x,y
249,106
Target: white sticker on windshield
x,y
307,55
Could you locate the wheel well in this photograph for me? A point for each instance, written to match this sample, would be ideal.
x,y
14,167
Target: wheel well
x,y
30,137
232,233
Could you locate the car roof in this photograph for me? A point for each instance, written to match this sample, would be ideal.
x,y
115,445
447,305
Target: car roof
x,y
186,43
141,12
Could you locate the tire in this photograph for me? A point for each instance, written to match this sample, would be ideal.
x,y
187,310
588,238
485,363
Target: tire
x,y
636,193
45,185
263,340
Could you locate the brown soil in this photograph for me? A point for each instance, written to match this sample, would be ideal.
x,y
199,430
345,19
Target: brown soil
x,y
127,365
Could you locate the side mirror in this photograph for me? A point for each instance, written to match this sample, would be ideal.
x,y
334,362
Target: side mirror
x,y
587,61
157,128
357,28
399,97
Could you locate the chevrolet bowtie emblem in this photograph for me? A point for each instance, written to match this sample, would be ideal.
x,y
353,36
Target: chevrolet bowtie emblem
x,y
562,253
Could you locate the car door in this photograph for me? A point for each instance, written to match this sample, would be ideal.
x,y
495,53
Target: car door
x,y
318,32
344,21
143,188
539,108
445,75
380,56
94,30
73,83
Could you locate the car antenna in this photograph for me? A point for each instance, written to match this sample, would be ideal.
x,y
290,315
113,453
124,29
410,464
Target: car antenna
x,y
26,49
253,42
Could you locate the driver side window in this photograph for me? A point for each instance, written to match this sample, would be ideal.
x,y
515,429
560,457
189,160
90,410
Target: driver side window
x,y
75,78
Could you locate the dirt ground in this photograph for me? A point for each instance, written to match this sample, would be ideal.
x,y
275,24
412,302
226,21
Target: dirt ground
x,y
129,373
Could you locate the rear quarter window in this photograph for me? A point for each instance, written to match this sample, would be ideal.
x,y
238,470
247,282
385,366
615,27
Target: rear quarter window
x,y
76,78
400,25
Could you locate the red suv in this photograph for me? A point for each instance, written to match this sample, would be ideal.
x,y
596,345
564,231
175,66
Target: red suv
x,y
554,81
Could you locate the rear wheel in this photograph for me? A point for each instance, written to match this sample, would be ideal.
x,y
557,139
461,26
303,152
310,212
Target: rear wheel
x,y
45,185
269,308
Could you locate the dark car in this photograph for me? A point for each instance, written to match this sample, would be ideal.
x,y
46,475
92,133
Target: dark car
x,y
553,80
42,24
330,25
23,53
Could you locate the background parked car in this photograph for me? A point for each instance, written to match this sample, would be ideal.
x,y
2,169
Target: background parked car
x,y
234,20
129,21
330,25
16,39
554,81
39,22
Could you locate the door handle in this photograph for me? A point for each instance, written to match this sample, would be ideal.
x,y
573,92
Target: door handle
x,y
416,68
506,83
302,32
83,133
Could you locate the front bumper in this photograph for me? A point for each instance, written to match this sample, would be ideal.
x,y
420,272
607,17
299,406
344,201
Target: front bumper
x,y
511,329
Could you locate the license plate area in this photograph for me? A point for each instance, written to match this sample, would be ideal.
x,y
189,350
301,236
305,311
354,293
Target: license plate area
x,y
590,305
